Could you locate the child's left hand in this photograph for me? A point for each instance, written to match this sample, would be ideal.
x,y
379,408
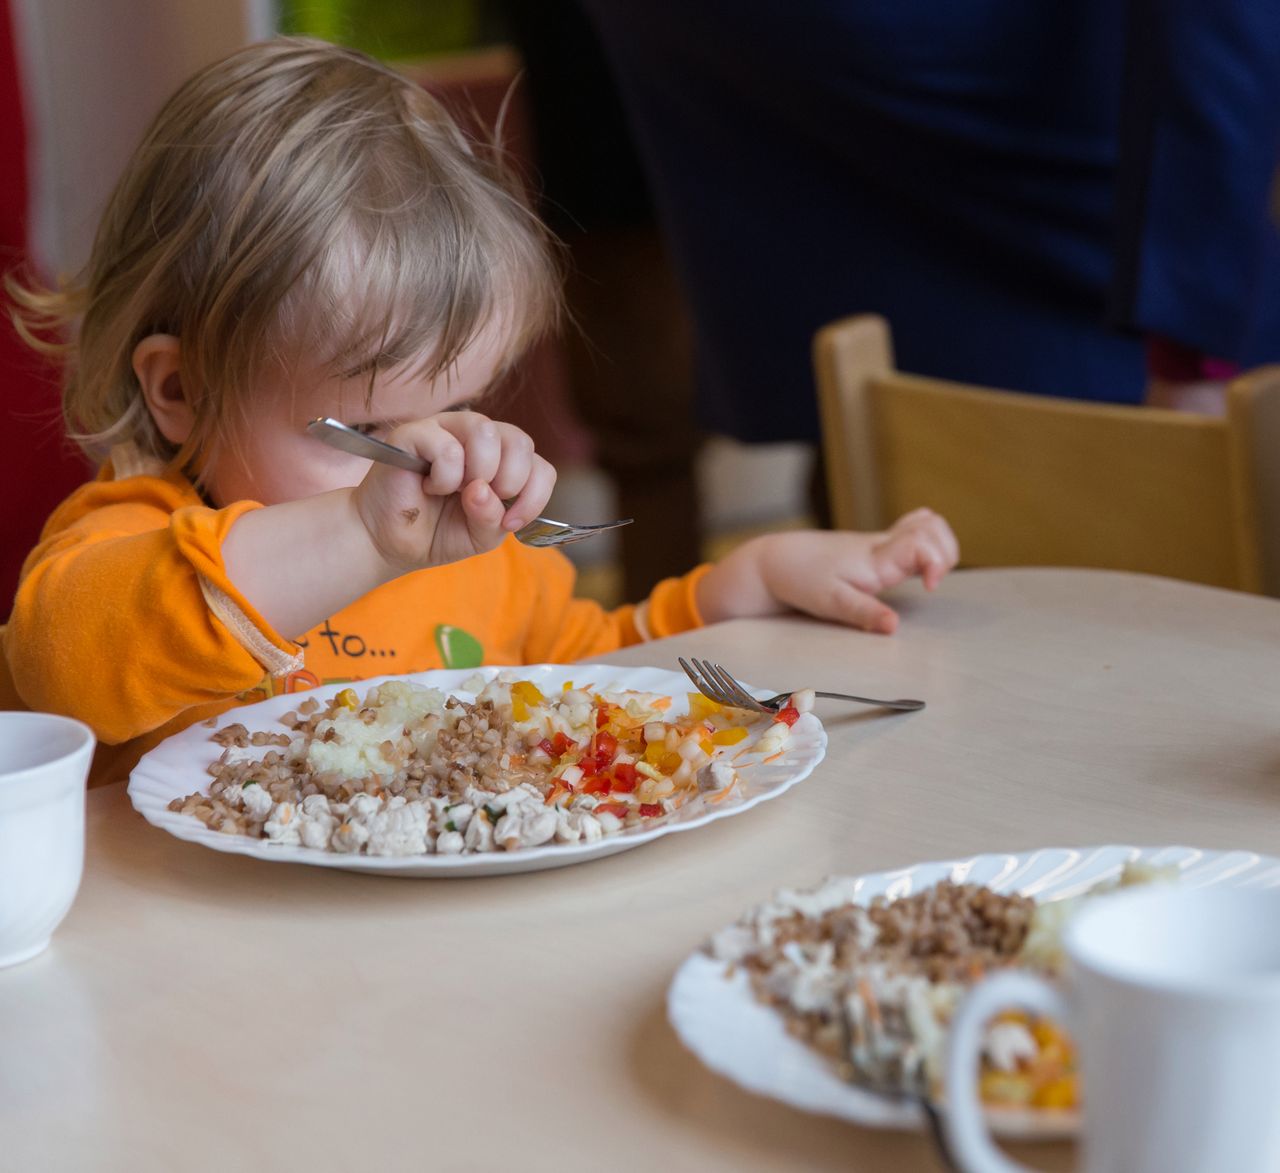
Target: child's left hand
x,y
832,575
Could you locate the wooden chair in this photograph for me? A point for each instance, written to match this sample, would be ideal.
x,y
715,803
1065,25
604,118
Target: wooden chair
x,y
1029,480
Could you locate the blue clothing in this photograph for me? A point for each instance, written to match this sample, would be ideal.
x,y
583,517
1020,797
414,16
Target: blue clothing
x,y
1200,250
951,166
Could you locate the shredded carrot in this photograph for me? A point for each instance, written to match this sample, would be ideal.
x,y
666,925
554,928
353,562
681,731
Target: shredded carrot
x,y
720,795
868,997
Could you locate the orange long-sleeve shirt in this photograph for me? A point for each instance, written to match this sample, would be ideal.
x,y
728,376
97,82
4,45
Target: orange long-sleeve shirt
x,y
125,617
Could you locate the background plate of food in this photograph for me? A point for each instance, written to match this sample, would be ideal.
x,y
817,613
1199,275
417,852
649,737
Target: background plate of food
x,y
472,771
778,1000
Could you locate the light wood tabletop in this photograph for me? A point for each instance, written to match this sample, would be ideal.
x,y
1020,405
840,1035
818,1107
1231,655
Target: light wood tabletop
x,y
201,1011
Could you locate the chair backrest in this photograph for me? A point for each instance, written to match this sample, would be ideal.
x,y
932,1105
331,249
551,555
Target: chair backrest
x,y
1029,480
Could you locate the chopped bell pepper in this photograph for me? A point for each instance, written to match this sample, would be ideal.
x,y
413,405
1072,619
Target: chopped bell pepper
x,y
701,707
625,777
523,694
606,748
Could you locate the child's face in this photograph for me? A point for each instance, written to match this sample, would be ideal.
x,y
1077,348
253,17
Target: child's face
x,y
274,459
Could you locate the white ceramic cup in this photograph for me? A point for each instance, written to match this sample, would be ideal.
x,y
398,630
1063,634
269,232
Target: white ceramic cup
x,y
1173,998
44,761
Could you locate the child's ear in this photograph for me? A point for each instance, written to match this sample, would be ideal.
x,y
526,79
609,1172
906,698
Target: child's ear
x,y
155,363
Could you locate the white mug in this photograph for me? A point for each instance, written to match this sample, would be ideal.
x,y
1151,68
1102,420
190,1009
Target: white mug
x,y
44,761
1173,998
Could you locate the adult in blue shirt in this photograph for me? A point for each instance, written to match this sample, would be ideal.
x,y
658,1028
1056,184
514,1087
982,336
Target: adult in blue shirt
x,y
1033,194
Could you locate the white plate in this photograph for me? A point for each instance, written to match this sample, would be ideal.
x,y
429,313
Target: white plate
x,y
178,767
719,1019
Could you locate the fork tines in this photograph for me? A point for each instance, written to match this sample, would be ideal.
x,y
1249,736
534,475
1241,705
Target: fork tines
x,y
713,681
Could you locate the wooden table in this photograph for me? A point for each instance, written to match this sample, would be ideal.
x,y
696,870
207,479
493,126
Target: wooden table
x,y
201,1011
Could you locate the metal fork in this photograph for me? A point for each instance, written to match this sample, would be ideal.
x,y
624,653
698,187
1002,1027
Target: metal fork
x,y
541,531
713,681
890,1069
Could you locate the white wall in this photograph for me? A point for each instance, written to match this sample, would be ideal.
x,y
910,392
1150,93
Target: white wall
x,y
94,74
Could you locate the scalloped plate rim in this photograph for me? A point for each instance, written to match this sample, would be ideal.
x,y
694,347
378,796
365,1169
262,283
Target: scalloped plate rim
x,y
813,1086
150,793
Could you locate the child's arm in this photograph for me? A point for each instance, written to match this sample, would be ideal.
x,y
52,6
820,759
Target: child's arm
x,y
832,575
130,610
303,560
125,618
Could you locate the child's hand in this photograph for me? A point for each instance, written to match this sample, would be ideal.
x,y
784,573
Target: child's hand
x,y
832,575
485,481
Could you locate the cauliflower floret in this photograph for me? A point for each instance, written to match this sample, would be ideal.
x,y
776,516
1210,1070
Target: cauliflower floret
x,y
317,831
459,814
522,826
363,807
401,829
449,843
256,802
479,834
568,829
282,826
315,822
349,838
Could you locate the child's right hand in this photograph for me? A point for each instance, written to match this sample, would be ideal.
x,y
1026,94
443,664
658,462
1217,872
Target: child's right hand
x,y
486,481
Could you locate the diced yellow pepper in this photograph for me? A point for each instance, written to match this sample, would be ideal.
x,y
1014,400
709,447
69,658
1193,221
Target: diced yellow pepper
x,y
528,692
1057,1093
701,707
1003,1087
730,736
706,746
523,694
654,752
1045,1032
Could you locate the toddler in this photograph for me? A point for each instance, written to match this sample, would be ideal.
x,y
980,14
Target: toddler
x,y
304,233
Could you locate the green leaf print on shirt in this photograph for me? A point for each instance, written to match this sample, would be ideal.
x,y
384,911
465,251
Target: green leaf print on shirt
x,y
458,648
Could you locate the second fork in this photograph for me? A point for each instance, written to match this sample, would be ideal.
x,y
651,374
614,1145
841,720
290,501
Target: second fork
x,y
714,681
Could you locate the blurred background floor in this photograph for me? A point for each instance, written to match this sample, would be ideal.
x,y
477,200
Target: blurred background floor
x,y
744,491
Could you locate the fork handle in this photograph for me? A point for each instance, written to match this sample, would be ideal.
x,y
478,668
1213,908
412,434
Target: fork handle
x,y
903,704
339,435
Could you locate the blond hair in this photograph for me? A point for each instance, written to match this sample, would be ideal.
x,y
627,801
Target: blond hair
x,y
294,201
